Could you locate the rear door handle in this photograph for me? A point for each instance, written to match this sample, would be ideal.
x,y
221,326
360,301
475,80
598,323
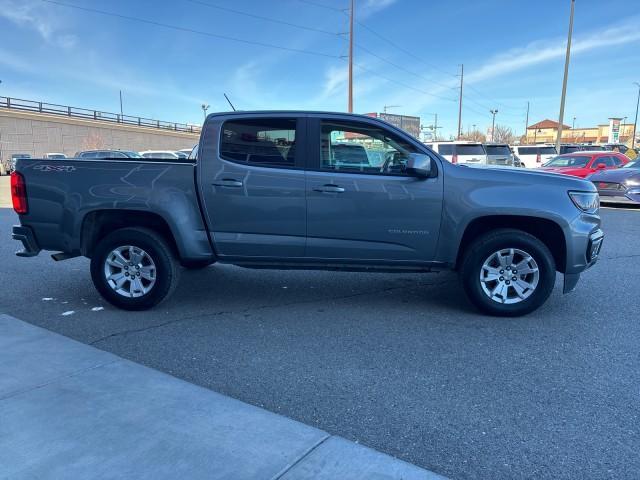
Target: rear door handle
x,y
329,188
228,182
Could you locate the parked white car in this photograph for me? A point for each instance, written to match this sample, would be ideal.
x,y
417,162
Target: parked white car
x,y
534,156
55,156
160,154
472,153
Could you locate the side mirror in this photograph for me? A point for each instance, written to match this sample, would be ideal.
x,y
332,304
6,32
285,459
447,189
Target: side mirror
x,y
419,165
601,166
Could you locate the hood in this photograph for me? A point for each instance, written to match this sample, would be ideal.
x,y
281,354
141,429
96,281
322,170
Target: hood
x,y
530,176
618,175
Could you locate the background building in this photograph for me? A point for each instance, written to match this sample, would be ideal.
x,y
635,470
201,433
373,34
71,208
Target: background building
x,y
547,130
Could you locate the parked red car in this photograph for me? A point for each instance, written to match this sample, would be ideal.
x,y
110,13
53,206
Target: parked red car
x,y
583,164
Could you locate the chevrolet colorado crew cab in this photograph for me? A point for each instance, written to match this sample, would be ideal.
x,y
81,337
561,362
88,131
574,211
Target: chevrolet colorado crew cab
x,y
309,190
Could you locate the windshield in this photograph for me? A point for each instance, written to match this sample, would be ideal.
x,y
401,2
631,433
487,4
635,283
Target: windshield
x,y
634,164
133,154
568,161
498,150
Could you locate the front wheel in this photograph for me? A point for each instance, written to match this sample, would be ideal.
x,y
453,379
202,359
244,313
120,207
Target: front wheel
x,y
508,273
134,268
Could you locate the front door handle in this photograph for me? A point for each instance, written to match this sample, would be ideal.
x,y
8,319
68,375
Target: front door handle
x,y
329,188
228,182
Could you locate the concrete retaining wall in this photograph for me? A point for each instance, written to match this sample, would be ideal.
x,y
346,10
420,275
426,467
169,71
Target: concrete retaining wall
x,y
38,134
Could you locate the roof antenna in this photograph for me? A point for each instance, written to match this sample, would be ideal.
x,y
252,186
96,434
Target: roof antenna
x,y
225,96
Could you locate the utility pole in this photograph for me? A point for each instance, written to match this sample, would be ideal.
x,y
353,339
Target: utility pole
x,y
526,123
121,115
350,102
460,102
493,124
566,75
435,127
635,123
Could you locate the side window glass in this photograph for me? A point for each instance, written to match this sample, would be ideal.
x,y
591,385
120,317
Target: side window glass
x,y
263,142
616,161
362,148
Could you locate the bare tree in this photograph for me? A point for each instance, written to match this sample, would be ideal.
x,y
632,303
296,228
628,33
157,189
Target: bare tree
x,y
93,141
474,136
503,134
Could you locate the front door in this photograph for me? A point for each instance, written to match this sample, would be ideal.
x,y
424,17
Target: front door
x,y
251,177
361,203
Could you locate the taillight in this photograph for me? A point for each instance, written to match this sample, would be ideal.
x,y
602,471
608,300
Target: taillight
x,y
19,194
454,158
538,159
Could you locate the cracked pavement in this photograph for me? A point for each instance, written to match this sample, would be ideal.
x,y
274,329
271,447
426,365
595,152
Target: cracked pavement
x,y
399,362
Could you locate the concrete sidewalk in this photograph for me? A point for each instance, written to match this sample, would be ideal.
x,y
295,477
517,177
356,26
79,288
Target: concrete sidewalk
x,y
68,410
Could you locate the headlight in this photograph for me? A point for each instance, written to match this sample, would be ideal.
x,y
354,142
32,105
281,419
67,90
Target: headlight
x,y
586,201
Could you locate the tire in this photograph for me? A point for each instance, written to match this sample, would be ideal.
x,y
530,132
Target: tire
x,y
485,272
156,275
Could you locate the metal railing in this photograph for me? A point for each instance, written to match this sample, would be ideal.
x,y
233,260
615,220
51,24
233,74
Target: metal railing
x,y
75,112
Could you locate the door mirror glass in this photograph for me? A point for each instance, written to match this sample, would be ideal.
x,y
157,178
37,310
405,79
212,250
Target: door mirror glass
x,y
419,165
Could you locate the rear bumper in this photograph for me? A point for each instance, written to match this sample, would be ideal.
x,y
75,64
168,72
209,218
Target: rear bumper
x,y
25,235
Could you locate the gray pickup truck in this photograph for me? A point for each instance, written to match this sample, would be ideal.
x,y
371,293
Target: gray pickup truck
x,y
309,190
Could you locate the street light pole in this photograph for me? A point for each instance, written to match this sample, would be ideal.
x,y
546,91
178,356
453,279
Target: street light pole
x,y
635,123
493,125
205,107
460,102
350,100
566,75
526,123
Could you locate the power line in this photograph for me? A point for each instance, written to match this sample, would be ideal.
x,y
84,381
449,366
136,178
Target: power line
x,y
402,84
260,17
400,67
320,5
406,52
492,99
190,30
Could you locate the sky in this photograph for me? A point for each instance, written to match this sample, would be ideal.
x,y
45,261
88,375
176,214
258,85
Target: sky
x,y
169,57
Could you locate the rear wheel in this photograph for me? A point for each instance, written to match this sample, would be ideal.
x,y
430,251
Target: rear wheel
x,y
508,273
134,268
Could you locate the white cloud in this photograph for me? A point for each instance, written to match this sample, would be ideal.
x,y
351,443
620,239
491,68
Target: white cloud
x,y
369,7
546,50
36,16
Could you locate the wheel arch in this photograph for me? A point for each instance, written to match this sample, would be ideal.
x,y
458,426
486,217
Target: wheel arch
x,y
547,231
99,223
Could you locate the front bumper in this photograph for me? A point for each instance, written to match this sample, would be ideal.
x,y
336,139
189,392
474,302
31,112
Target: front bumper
x,y
594,246
28,239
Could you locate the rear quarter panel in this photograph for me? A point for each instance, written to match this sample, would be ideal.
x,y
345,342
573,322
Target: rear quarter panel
x,y
60,193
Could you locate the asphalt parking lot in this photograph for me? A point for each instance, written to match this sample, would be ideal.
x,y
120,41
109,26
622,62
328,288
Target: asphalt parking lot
x,y
401,363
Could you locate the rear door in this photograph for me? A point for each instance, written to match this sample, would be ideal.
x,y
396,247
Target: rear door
x,y
365,206
251,177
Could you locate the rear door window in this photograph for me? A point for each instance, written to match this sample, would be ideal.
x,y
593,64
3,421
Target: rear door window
x,y
446,149
263,142
464,149
606,160
498,150
547,150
